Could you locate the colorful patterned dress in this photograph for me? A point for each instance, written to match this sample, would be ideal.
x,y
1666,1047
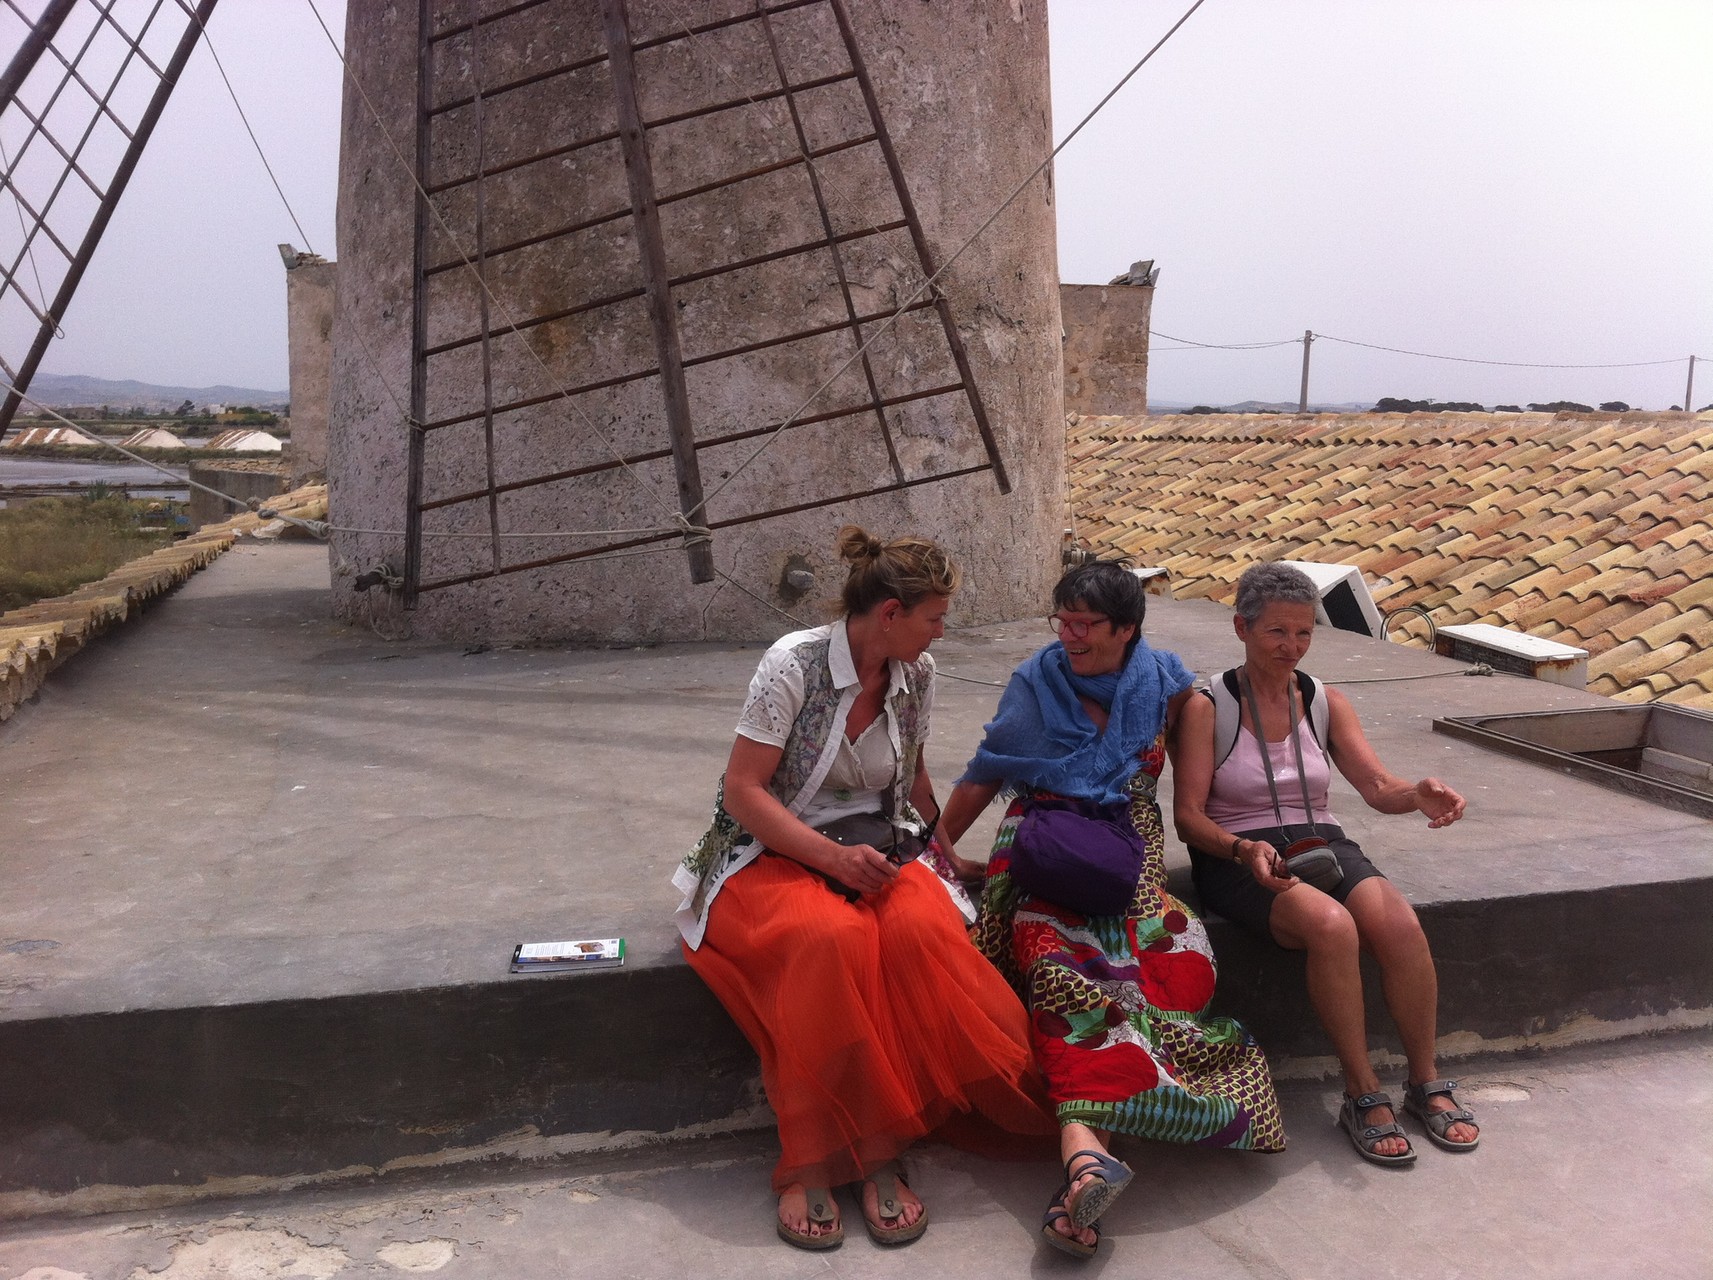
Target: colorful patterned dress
x,y
1116,1003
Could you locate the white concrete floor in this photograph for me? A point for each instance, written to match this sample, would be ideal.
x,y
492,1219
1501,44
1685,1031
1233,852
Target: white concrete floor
x,y
1593,1163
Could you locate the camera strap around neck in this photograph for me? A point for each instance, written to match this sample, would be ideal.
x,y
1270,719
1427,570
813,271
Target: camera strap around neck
x,y
1267,756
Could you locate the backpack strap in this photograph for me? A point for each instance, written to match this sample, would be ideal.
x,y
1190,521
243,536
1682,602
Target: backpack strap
x,y
1227,715
1228,711
1317,707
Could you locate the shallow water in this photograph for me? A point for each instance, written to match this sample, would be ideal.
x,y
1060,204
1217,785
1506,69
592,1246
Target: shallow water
x,y
17,471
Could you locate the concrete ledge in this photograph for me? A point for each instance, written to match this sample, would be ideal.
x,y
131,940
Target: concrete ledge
x,y
159,1106
245,481
1514,974
189,1101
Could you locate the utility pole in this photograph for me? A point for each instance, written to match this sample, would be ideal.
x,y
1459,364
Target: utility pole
x,y
1689,389
1303,397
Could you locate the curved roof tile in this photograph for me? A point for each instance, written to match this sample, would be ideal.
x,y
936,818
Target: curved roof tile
x,y
1596,529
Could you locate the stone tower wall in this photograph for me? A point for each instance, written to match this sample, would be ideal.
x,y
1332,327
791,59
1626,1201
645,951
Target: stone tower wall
x,y
310,287
1106,347
964,92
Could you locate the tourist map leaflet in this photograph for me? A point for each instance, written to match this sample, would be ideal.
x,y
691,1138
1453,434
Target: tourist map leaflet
x,y
561,957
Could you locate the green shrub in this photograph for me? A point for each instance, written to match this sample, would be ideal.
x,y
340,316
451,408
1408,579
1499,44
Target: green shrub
x,y
54,545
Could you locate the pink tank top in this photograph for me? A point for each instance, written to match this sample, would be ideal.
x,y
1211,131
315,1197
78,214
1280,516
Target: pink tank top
x,y
1239,800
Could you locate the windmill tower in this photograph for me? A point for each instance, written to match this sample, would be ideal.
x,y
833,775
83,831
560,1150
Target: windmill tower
x,y
657,319
638,300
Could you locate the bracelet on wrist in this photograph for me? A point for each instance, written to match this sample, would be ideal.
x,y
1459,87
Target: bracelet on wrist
x,y
1236,843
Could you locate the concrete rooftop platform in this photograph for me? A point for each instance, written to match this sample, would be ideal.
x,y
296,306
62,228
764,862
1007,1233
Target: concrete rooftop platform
x,y
1576,1176
264,872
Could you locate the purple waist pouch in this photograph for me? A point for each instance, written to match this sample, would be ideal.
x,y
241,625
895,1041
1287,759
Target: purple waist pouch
x,y
1078,854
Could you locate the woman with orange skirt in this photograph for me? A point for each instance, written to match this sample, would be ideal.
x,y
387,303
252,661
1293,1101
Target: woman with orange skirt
x,y
850,972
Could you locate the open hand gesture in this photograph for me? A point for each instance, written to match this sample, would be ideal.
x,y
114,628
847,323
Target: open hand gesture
x,y
1440,803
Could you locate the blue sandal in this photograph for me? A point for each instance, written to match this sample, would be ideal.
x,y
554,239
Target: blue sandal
x,y
1060,1241
1092,1199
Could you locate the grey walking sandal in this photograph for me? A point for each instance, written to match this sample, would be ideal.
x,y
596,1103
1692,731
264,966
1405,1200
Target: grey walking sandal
x,y
1092,1199
1365,1138
1435,1123
1060,1241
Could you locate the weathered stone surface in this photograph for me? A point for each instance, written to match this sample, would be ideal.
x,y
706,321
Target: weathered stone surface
x,y
1106,347
310,293
963,89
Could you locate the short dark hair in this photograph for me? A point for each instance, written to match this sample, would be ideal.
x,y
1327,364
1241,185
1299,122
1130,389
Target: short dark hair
x,y
1107,587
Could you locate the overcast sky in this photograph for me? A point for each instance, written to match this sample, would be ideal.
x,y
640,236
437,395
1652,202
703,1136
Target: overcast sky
x,y
1522,181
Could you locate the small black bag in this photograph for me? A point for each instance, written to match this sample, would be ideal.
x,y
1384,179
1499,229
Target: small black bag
x,y
877,830
1078,854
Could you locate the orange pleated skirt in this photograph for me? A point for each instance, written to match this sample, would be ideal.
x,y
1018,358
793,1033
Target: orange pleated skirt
x,y
877,1022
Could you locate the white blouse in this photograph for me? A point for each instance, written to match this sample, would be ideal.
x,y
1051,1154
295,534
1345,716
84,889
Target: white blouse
x,y
856,773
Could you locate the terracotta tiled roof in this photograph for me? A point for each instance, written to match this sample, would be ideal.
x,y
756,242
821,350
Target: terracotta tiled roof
x,y
1592,529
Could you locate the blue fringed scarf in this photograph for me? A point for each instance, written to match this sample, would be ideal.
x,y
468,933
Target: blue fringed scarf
x,y
1041,738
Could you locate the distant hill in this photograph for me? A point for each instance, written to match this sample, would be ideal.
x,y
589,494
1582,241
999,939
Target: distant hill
x,y
1262,406
64,389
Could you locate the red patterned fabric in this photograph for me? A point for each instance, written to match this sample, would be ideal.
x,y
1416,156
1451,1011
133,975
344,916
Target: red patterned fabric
x,y
1118,1003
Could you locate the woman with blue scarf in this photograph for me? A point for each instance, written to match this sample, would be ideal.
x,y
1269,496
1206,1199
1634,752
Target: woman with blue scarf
x,y
1116,996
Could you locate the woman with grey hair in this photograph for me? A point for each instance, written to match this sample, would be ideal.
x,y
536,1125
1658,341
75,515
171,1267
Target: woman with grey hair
x,y
1251,768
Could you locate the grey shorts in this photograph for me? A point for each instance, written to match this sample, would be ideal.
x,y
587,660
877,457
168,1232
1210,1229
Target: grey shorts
x,y
1227,888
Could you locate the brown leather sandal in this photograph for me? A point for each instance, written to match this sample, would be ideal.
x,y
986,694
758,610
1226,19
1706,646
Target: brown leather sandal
x,y
891,1209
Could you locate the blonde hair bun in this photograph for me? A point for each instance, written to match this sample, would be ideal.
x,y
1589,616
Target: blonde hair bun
x,y
857,546
907,569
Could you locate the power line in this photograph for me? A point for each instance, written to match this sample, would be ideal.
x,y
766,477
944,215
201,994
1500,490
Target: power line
x,y
1192,344
1510,364
1220,346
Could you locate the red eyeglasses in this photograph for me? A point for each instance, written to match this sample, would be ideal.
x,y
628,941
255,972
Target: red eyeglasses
x,y
1059,624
